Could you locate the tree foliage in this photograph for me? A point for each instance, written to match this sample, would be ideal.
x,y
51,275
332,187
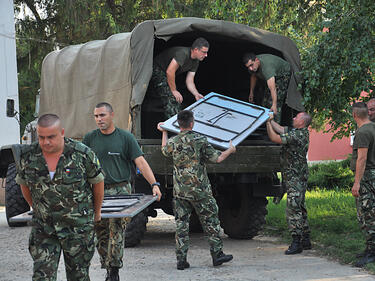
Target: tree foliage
x,y
338,64
341,64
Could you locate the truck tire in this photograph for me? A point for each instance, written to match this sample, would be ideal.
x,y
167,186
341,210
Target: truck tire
x,y
135,230
246,216
15,204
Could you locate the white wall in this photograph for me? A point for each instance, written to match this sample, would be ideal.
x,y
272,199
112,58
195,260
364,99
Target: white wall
x,y
9,127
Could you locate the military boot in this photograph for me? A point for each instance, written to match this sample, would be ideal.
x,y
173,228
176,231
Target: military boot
x,y
368,258
221,258
306,243
295,247
112,274
182,264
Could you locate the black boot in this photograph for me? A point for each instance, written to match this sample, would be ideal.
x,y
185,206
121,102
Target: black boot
x,y
306,243
112,274
182,264
368,258
295,247
221,258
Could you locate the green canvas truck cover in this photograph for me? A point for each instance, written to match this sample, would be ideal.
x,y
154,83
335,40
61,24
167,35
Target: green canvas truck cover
x,y
117,70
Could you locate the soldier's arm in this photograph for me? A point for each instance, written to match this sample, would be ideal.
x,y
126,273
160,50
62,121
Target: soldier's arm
x,y
274,137
191,85
171,78
253,82
360,167
272,86
147,173
98,192
26,194
226,153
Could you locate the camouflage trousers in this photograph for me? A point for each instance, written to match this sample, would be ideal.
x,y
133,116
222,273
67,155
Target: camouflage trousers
x,y
366,205
159,86
282,84
207,212
77,244
110,233
296,213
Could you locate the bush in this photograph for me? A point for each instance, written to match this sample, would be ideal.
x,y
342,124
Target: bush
x,y
332,175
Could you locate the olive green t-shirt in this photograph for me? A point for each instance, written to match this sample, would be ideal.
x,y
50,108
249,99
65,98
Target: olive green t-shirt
x,y
271,66
115,151
181,55
364,138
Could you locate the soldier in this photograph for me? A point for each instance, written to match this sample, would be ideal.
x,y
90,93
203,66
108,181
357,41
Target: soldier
x,y
62,181
363,165
191,187
116,150
167,65
295,144
276,72
371,109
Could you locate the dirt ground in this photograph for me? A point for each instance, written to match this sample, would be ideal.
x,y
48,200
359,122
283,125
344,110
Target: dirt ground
x,y
259,259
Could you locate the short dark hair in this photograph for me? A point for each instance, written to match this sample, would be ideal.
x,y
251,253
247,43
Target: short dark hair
x,y
306,119
248,56
360,110
200,43
184,118
106,105
48,120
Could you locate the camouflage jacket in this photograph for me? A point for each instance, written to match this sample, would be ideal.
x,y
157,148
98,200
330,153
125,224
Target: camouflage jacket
x,y
66,200
190,152
295,144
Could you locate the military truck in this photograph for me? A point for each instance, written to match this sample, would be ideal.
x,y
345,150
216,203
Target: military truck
x,y
118,70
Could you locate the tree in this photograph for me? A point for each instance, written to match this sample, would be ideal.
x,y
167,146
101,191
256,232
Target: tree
x,y
341,64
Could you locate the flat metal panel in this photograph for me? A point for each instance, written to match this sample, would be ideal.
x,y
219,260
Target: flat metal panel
x,y
136,204
222,119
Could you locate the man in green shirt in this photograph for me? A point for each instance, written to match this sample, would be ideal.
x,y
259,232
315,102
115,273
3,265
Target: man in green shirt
x,y
62,181
116,150
276,72
363,165
167,65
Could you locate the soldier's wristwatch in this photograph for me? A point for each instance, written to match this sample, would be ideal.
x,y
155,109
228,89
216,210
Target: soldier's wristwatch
x,y
155,183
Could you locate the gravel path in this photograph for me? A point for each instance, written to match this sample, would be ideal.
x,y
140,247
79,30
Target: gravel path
x,y
259,259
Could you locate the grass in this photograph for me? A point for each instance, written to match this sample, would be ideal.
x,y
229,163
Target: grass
x,y
335,231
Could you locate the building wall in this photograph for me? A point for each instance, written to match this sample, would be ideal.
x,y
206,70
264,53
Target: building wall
x,y
321,148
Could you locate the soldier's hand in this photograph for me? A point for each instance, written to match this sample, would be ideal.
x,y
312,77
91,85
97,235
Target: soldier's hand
x,y
156,192
97,217
160,128
355,190
178,96
198,97
251,98
232,147
274,109
271,115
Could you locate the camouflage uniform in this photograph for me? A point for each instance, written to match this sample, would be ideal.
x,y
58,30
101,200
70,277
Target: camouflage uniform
x,y
366,203
159,86
63,216
110,233
116,152
295,143
364,138
282,84
192,189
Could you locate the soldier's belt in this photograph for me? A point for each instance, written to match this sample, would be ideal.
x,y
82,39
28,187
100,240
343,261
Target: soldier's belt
x,y
123,183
